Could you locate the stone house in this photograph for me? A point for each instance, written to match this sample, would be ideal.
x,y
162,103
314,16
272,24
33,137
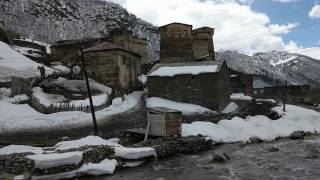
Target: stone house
x,y
113,66
67,51
179,43
240,82
202,42
126,40
295,93
203,83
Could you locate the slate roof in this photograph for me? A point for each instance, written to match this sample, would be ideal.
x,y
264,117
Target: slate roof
x,y
106,46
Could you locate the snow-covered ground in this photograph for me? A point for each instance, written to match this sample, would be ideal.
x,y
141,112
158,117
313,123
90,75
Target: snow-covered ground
x,y
240,96
230,108
56,99
22,117
28,51
13,63
5,96
185,108
61,68
241,130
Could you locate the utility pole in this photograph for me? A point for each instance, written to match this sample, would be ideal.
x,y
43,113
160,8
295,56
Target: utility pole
x,y
285,96
95,126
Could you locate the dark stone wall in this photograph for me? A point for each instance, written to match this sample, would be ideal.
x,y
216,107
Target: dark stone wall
x,y
203,45
241,83
134,44
295,94
176,43
211,90
113,68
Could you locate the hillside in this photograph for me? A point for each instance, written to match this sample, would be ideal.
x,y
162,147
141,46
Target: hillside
x,y
12,63
276,65
73,19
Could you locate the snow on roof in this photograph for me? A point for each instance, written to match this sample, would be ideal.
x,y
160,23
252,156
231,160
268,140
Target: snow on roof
x,y
194,70
13,63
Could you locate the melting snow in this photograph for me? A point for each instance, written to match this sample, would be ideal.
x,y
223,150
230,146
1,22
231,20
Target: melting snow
x,y
45,161
13,149
241,130
194,70
185,108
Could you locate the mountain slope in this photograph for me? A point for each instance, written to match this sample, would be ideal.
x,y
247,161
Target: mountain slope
x,y
277,66
53,20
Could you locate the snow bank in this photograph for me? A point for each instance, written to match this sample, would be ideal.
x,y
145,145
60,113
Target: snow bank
x,y
240,96
45,161
13,149
22,117
103,168
120,151
230,108
134,153
61,68
87,141
194,70
80,85
96,169
13,63
142,78
186,109
5,96
46,99
241,130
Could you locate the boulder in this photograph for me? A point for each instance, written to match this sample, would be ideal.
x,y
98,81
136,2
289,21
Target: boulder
x,y
220,158
297,135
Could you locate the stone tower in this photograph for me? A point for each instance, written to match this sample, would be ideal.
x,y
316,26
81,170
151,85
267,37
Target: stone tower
x,y
126,40
176,43
203,43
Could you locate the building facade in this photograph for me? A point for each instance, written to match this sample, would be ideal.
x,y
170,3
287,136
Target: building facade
x,y
176,43
113,66
179,43
127,41
210,87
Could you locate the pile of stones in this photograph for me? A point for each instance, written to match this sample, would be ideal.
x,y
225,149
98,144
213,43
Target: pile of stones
x,y
19,163
170,146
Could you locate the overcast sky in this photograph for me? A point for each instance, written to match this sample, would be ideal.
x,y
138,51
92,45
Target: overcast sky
x,y
244,25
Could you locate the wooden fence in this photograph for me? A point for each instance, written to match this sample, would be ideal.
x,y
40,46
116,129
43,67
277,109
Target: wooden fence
x,y
62,107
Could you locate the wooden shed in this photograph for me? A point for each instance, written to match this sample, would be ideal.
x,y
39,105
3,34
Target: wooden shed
x,y
164,121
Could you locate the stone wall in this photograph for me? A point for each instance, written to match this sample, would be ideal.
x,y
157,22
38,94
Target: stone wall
x,y
176,43
116,69
19,163
67,52
134,44
211,90
295,94
241,83
203,42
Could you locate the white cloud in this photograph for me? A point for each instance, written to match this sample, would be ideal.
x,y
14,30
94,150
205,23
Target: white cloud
x,y
293,46
285,1
315,11
282,29
237,26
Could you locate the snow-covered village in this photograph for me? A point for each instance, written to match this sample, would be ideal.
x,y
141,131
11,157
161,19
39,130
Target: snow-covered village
x,y
159,90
